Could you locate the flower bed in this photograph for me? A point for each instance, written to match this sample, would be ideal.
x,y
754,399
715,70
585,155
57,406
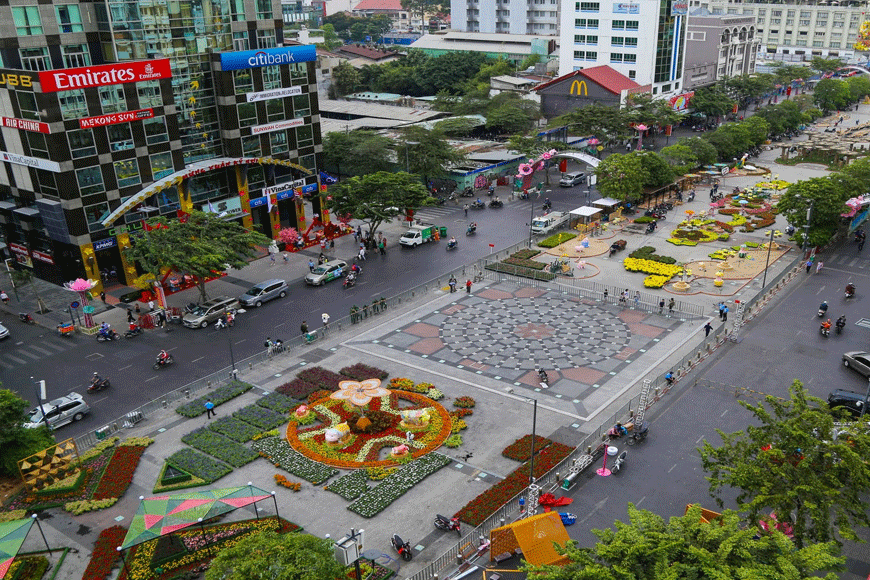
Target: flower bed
x,y
27,568
464,402
521,449
350,486
119,473
324,379
397,484
260,417
219,396
361,372
220,447
198,465
521,272
104,555
277,402
487,503
524,263
525,254
236,429
656,269
557,239
279,452
297,389
649,253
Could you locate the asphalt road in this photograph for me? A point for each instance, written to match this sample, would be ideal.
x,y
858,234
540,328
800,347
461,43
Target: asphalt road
x,y
664,474
67,363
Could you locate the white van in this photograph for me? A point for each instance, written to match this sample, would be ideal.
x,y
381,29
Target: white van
x,y
572,179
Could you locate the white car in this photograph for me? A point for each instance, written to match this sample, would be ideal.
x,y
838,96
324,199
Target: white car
x,y
4,332
59,412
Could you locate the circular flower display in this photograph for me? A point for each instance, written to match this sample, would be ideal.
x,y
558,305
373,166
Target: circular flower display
x,y
525,169
372,434
359,393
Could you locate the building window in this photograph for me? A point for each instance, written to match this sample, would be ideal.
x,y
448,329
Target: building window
x,y
632,74
834,45
81,143
818,43
804,23
278,142
264,10
585,55
251,146
90,180
120,137
615,57
618,25
838,24
247,114
27,105
73,105
585,39
155,131
271,77
631,24
35,58
275,109
112,99
801,43
776,12
629,58
47,184
617,41
27,20
237,10
161,165
149,94
240,41
301,106
127,172
36,143
822,23
75,55
776,21
266,39
304,137
586,6
69,18
585,23
243,81
94,214
762,11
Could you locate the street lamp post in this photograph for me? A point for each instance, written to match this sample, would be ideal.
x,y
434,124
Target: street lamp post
x,y
767,262
40,387
807,225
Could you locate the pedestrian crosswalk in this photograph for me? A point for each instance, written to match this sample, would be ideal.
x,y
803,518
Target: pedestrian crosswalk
x,y
434,213
846,260
16,355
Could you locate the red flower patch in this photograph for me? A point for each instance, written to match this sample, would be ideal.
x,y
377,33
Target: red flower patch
x,y
119,473
105,555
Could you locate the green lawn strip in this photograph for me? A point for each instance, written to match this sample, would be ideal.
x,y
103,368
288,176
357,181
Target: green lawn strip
x,y
219,396
395,485
279,452
198,465
220,447
350,486
262,418
557,239
520,271
236,429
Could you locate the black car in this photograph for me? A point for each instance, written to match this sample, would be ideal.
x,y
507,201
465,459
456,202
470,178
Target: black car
x,y
852,402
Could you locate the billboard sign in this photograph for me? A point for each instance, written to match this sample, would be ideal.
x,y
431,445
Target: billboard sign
x,y
26,125
22,254
267,57
227,208
277,126
626,8
68,79
116,118
34,162
679,7
105,244
273,94
16,79
282,187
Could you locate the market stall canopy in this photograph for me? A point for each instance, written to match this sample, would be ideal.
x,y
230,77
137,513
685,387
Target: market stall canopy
x,y
12,535
585,211
164,514
606,202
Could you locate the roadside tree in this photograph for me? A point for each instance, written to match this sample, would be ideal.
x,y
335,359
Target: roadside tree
x,y
658,172
828,201
854,178
377,197
204,245
831,94
825,65
786,73
712,101
794,462
358,152
331,40
859,87
759,129
687,547
271,556
681,157
608,124
621,177
17,442
429,154
748,88
730,140
345,78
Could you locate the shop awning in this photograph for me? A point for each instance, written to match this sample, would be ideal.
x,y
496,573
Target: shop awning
x,y
12,535
585,211
606,202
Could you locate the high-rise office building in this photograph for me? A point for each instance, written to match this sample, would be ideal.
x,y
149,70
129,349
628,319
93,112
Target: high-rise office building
x,y
538,17
113,112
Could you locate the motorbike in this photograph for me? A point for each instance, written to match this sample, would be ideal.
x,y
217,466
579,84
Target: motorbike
x,y
548,205
160,363
135,331
467,192
452,245
403,548
496,203
825,330
691,196
447,524
108,336
841,324
349,281
490,190
26,318
98,384
477,204
620,461
654,213
823,309
440,200
542,376
850,291
471,229
638,434
524,195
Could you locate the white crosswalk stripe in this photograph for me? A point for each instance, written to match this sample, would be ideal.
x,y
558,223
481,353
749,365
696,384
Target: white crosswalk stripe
x,y
30,353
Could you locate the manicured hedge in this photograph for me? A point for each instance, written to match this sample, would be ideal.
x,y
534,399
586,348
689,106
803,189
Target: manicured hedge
x,y
219,396
322,378
279,452
557,239
397,484
277,402
350,486
260,417
525,263
236,429
525,254
521,272
649,253
361,372
220,447
198,465
298,389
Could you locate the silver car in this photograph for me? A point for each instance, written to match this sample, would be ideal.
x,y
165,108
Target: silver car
x,y
323,273
858,360
4,332
58,412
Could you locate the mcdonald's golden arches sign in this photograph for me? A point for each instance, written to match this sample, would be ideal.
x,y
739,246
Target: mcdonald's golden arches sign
x,y
579,88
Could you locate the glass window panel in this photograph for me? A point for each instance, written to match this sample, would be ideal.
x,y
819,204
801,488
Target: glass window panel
x,y
27,20
149,94
301,106
244,81
90,180
251,146
247,114
69,18
73,105
155,131
120,137
47,183
94,214
264,10
271,77
275,109
112,99
36,141
278,142
81,143
75,55
27,105
304,136
127,172
35,58
161,165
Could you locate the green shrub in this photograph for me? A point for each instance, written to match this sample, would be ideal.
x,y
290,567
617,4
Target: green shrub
x,y
525,254
521,272
525,263
198,465
350,486
649,253
220,447
235,429
644,219
219,396
277,402
454,441
557,239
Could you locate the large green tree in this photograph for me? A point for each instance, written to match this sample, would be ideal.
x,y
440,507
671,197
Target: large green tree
x,y
429,154
730,140
688,154
358,152
17,442
621,177
644,108
786,116
859,87
827,198
786,73
377,197
759,129
271,556
608,124
831,94
658,171
747,88
203,245
331,40
794,461
345,78
826,65
686,547
712,101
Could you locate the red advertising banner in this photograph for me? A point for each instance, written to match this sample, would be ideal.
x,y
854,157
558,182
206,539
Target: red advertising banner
x,y
42,256
116,118
25,125
68,79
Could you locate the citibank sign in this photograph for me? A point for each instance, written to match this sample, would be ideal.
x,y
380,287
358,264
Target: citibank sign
x,y
267,57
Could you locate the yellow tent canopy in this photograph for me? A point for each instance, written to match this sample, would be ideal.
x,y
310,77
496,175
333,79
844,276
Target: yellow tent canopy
x,y
534,536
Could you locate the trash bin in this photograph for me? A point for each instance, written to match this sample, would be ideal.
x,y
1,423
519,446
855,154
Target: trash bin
x,y
101,433
442,230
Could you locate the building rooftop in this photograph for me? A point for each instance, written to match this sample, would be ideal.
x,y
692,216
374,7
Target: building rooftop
x,y
379,5
608,78
512,80
366,52
478,41
331,109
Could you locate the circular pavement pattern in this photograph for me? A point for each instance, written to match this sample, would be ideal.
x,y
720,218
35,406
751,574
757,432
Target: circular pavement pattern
x,y
518,332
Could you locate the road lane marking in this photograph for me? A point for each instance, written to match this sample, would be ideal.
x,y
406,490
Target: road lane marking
x,y
197,359
724,413
638,502
698,440
37,349
241,341
27,354
672,468
126,367
152,378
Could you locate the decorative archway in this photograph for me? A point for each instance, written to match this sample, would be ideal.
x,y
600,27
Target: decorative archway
x,y
584,157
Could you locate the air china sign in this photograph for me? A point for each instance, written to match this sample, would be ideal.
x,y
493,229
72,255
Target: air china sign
x,y
69,79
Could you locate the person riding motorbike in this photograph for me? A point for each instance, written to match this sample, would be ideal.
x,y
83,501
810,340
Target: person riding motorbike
x,y
841,322
162,357
106,330
826,326
823,307
355,269
617,431
452,242
850,290
96,379
472,227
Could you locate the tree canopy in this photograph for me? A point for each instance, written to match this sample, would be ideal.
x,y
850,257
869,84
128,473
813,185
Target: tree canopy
x,y
377,197
831,94
270,556
16,441
428,152
712,101
608,124
658,172
689,153
686,547
828,200
825,65
621,177
203,245
793,461
358,152
749,87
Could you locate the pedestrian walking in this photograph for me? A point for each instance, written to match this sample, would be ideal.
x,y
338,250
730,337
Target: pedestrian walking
x,y
304,328
209,409
286,257
725,314
138,309
310,265
721,308
452,284
861,244
362,254
103,297
272,257
4,297
382,248
161,318
359,232
671,305
819,266
466,210
468,286
707,328
605,295
809,265
622,297
325,318
637,299
130,319
355,236
661,305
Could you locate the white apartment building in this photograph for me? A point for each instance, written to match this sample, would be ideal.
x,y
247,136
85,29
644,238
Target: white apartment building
x,y
538,17
798,32
718,47
644,40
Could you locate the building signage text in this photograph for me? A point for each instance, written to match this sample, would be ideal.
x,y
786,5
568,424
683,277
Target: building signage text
x,y
115,118
277,126
43,257
274,94
53,81
679,7
26,125
626,8
267,57
579,88
228,208
34,162
14,80
281,188
105,244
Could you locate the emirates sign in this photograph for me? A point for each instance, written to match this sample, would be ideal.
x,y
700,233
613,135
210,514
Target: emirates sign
x,y
68,79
